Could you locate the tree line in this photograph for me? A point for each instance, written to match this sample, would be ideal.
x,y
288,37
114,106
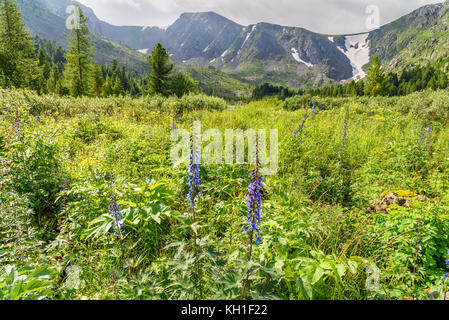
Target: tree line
x,y
41,65
376,83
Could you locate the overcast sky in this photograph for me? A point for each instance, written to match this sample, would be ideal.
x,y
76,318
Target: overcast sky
x,y
324,16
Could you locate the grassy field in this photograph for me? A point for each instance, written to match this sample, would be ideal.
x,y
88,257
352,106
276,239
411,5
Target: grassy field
x,y
322,223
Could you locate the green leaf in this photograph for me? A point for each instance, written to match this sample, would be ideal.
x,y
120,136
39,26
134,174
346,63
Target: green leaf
x,y
318,274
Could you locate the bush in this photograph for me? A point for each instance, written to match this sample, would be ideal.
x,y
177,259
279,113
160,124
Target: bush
x,y
35,172
298,102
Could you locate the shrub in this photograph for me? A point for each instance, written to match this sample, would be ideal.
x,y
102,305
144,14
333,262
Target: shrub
x,y
298,102
35,172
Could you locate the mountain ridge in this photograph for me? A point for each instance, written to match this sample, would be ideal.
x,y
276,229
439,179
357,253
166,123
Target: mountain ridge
x,y
264,52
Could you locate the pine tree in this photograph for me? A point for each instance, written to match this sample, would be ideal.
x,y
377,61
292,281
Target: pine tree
x,y
107,87
118,88
181,84
19,66
96,80
376,81
160,70
78,58
53,79
43,63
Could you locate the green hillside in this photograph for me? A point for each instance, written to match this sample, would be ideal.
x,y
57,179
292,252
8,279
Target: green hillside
x,y
415,39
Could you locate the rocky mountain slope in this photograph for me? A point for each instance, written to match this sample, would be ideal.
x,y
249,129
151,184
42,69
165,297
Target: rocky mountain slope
x,y
262,52
414,39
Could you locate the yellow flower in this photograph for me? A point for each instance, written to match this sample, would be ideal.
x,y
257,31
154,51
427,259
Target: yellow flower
x,y
400,193
379,118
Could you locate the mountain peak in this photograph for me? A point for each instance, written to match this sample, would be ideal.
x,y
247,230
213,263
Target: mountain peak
x,y
206,16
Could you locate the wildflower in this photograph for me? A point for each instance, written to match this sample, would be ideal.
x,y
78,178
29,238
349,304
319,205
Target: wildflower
x,y
194,170
254,199
21,253
345,134
115,212
446,276
424,134
301,126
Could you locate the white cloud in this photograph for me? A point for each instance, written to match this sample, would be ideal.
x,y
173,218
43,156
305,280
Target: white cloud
x,y
325,16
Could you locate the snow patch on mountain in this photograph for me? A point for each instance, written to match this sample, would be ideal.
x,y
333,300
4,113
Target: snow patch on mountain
x,y
357,51
144,51
331,39
207,48
295,55
246,39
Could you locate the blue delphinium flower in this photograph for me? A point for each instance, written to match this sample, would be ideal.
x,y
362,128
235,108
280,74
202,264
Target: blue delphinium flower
x,y
254,199
301,126
424,134
194,171
345,134
115,212
21,253
446,276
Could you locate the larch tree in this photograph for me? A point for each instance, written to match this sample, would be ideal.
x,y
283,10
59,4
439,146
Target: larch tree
x,y
118,88
377,83
79,57
97,81
54,80
19,65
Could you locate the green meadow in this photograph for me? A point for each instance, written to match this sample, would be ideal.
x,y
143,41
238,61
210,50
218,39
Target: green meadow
x,y
323,233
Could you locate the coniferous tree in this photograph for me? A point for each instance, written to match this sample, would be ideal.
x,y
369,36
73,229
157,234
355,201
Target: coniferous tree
x,y
43,63
161,68
118,88
53,79
19,66
96,80
78,58
107,87
376,81
181,84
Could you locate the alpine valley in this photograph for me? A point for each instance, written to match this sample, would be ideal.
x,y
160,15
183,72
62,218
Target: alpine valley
x,y
256,53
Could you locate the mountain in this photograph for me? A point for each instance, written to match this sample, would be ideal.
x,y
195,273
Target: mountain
x,y
257,53
414,39
46,18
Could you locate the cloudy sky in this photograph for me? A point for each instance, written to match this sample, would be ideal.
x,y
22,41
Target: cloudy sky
x,y
325,16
